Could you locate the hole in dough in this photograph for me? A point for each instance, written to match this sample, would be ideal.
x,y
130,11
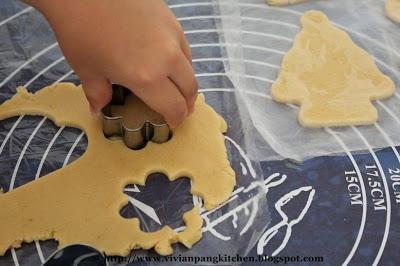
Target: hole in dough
x,y
62,143
160,202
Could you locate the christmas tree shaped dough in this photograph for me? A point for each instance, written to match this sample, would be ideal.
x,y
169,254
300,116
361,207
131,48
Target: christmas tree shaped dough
x,y
329,77
80,203
393,9
284,2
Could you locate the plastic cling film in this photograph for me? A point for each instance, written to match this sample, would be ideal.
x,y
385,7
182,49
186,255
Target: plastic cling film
x,y
265,34
31,147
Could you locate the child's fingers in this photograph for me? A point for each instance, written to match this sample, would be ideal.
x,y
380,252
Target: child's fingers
x,y
98,92
164,98
185,46
183,76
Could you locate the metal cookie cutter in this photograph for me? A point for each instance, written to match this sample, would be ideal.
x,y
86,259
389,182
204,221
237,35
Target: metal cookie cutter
x,y
134,138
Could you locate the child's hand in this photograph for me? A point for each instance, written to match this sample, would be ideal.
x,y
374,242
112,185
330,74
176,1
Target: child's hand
x,y
135,43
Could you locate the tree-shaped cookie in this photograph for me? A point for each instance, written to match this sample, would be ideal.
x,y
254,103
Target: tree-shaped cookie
x,y
330,77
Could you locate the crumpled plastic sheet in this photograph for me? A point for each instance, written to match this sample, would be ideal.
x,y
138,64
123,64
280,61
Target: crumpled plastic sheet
x,y
257,37
32,146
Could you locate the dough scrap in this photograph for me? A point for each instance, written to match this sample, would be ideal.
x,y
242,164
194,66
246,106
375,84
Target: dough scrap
x,y
80,203
393,9
329,77
284,2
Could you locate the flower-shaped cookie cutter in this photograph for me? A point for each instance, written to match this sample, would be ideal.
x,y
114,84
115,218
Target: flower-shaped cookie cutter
x,y
134,138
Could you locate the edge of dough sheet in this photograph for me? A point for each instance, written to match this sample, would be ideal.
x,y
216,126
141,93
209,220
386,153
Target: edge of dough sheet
x,y
80,203
393,10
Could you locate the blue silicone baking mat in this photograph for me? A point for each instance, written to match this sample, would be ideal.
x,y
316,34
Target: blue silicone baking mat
x,y
336,210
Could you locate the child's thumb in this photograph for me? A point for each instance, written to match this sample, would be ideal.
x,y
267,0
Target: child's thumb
x,y
98,92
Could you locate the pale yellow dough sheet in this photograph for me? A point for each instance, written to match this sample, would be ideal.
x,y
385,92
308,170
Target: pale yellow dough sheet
x,y
284,2
80,203
393,9
330,77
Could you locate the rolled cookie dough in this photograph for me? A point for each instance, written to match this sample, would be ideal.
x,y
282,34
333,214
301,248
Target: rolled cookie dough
x,y
393,9
329,77
80,203
284,2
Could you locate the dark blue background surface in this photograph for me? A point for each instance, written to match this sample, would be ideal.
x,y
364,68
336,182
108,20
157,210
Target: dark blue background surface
x,y
329,228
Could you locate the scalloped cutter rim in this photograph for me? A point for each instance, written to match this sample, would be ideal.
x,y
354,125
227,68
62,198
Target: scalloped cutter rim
x,y
134,138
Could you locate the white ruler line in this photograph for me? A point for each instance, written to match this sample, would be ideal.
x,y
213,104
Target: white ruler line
x,y
72,148
26,10
45,50
388,202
